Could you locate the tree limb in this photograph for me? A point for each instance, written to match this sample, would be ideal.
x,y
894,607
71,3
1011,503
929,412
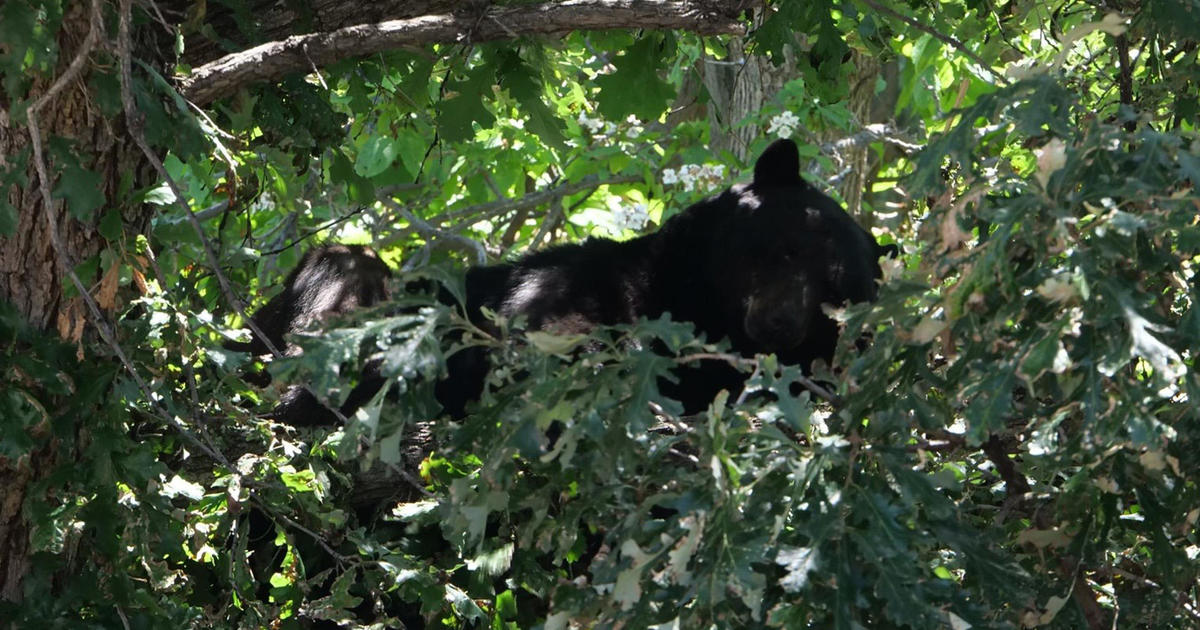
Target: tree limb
x,y
300,53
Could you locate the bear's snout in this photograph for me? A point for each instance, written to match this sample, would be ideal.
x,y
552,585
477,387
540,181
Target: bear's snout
x,y
776,327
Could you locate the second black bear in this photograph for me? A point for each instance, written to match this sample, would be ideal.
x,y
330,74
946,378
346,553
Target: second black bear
x,y
752,264
330,280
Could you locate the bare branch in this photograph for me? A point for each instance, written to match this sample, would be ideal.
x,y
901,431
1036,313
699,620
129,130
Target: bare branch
x,y
301,53
555,218
429,231
870,133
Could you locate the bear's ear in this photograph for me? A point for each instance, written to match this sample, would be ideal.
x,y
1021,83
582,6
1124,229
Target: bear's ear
x,y
779,165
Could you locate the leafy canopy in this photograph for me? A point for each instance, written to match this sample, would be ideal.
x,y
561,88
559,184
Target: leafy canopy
x,y
1014,447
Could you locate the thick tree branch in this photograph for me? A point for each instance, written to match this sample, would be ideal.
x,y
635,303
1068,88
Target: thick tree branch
x,y
274,20
301,53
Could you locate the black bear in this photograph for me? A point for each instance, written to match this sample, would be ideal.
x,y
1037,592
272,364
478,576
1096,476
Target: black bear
x,y
752,265
329,280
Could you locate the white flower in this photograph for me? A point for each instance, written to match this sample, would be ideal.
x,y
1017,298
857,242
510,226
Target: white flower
x,y
687,175
695,175
783,124
591,124
1050,158
264,202
630,217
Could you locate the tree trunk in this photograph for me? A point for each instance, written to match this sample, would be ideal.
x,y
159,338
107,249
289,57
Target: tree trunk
x,y
861,172
738,86
868,108
31,276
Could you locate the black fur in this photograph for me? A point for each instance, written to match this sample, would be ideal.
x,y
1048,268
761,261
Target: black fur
x,y
752,265
330,280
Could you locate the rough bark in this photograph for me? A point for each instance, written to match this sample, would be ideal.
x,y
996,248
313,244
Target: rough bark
x,y
857,159
17,477
304,53
31,275
858,162
734,89
738,86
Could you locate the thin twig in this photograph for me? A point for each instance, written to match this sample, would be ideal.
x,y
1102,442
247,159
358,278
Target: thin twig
x,y
188,371
412,480
124,619
555,218
315,70
823,393
309,233
169,28
320,540
426,230
501,206
731,359
855,446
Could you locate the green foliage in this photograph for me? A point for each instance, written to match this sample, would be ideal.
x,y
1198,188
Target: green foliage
x,y
27,30
637,66
1015,446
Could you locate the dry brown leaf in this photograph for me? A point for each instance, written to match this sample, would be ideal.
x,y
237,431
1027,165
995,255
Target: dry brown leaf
x,y
140,281
106,297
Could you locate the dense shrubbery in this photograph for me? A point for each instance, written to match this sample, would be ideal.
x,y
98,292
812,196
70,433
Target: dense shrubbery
x,y
1016,444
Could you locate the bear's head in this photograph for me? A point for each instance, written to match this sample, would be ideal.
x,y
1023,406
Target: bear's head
x,y
788,249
